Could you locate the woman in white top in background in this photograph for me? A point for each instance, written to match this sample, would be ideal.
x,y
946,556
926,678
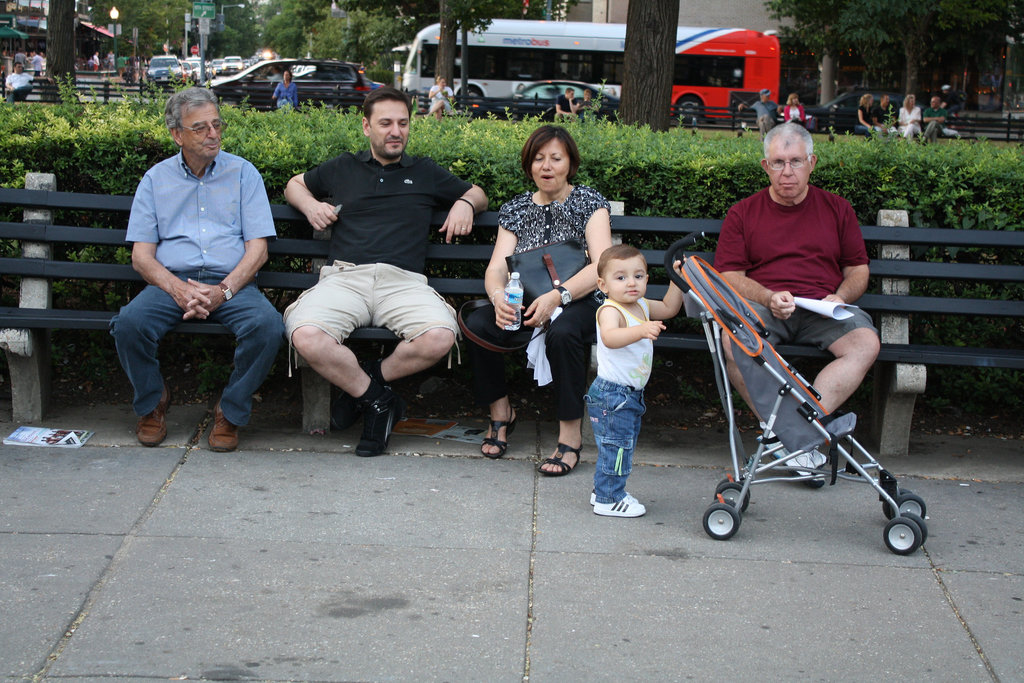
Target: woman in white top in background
x,y
439,98
910,118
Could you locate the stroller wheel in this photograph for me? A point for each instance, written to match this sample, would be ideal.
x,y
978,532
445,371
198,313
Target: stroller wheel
x,y
907,502
920,522
815,483
730,492
903,536
721,521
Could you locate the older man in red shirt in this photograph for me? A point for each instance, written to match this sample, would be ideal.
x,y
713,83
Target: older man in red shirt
x,y
794,239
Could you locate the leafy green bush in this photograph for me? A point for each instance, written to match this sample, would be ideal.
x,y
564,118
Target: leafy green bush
x,y
960,184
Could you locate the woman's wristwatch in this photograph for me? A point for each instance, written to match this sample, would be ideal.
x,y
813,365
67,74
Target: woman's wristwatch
x,y
566,295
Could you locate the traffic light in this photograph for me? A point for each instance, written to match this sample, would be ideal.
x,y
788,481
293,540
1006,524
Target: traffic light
x,y
218,24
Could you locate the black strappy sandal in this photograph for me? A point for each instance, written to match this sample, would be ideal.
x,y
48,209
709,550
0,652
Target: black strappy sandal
x,y
563,468
493,440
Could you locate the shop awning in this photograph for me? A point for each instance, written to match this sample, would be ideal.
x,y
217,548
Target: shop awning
x,y
98,29
8,32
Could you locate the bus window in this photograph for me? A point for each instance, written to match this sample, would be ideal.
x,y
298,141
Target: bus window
x,y
709,71
574,66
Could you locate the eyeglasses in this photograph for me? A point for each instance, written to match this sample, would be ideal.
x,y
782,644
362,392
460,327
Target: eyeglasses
x,y
778,164
201,128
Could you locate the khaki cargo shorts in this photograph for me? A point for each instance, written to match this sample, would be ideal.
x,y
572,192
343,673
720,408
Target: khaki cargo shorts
x,y
348,296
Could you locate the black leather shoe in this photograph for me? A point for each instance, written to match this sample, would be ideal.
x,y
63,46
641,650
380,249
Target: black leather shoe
x,y
379,418
345,410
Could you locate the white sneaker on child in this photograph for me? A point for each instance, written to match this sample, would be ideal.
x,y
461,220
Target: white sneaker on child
x,y
812,460
627,507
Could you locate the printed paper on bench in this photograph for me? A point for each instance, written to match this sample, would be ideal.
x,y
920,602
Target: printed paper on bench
x,y
829,309
44,436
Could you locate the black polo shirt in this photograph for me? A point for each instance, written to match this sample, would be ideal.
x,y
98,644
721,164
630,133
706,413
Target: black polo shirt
x,y
385,215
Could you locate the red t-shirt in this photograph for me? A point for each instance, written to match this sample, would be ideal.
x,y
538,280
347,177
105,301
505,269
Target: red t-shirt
x,y
801,249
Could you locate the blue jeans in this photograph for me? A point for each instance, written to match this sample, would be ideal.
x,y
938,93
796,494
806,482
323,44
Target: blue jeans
x,y
141,324
615,411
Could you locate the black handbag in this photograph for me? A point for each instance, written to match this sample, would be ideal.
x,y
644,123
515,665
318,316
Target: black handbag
x,y
543,268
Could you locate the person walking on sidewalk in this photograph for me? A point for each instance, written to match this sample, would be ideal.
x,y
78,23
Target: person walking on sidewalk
x,y
379,201
627,325
199,227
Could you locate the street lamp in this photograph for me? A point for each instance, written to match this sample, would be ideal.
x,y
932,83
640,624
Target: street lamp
x,y
114,14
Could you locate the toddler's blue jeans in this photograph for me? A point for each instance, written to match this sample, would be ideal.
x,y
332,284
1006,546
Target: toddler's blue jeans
x,y
615,411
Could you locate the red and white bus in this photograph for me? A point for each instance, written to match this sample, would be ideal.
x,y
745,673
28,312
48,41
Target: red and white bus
x,y
714,67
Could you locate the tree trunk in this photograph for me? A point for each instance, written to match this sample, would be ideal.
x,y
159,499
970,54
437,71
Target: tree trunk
x,y
910,76
827,70
649,62
916,44
60,40
446,46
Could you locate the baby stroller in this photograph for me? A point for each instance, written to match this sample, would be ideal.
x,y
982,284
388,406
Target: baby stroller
x,y
795,423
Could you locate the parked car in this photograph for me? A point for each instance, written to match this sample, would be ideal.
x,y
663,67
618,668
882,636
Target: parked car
x,y
232,65
192,65
330,81
164,68
840,113
538,99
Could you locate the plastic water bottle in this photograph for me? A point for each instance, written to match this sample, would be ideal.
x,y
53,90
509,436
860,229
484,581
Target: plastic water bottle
x,y
514,298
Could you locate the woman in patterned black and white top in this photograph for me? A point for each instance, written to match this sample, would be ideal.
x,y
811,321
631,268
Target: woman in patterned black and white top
x,y
550,159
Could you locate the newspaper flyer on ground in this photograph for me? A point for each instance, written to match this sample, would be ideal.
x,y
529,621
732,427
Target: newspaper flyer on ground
x,y
440,429
46,437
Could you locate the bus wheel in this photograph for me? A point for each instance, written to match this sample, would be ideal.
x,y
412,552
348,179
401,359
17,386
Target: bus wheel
x,y
690,110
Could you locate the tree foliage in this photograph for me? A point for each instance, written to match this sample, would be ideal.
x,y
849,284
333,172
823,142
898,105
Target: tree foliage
x,y
910,33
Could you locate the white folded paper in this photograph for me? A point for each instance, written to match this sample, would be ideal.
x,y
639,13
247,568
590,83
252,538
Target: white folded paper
x,y
829,309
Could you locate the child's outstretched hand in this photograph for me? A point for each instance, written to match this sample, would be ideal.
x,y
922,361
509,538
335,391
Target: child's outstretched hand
x,y
651,329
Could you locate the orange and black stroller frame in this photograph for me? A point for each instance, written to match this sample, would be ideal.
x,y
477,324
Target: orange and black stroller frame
x,y
795,422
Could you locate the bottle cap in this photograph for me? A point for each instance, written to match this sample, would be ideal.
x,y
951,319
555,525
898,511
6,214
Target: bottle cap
x,y
514,276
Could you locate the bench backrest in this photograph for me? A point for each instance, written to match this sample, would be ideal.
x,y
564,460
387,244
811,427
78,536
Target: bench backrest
x,y
639,230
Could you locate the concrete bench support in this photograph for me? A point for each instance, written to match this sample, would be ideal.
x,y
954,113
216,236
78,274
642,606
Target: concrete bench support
x,y
28,351
316,391
896,385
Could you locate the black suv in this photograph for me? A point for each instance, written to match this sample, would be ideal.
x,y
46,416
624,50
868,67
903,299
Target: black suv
x,y
335,83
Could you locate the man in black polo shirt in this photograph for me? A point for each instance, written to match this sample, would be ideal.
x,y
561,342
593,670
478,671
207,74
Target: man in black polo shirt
x,y
380,202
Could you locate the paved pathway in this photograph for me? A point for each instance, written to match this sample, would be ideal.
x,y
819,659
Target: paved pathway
x,y
295,560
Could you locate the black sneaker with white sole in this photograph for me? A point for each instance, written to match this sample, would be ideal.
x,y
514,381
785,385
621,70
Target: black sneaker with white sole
x,y
379,418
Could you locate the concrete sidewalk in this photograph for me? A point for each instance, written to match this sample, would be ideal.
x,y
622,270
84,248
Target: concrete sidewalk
x,y
292,559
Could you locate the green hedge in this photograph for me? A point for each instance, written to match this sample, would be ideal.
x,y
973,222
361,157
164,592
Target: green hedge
x,y
107,148
958,184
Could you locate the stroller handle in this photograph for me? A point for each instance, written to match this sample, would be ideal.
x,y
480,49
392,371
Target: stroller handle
x,y
675,253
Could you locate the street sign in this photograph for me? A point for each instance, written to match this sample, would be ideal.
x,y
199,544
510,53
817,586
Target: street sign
x,y
204,10
204,26
195,50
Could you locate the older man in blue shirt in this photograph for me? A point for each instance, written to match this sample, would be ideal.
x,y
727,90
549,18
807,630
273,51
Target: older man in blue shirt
x,y
199,227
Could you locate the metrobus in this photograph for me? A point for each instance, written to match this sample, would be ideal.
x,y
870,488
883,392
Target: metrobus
x,y
714,67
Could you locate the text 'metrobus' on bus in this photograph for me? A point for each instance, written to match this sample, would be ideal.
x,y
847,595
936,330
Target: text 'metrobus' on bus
x,y
714,67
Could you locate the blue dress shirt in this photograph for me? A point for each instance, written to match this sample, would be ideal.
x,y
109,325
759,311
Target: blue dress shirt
x,y
201,223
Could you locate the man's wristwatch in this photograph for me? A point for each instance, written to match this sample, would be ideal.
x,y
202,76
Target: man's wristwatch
x,y
566,295
227,292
